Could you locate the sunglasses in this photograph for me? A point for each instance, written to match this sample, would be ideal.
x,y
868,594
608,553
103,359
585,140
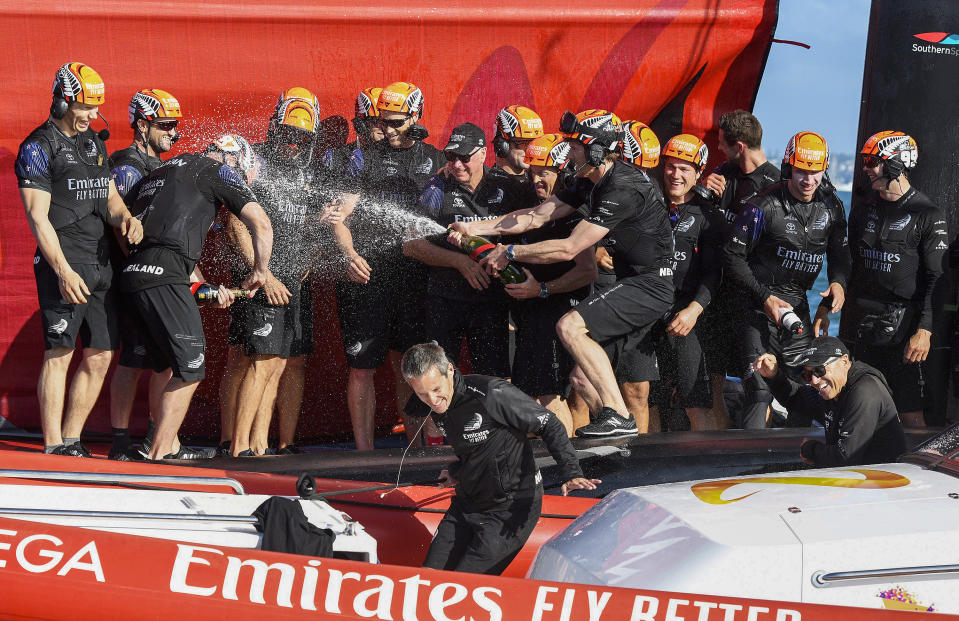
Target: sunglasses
x,y
817,371
871,161
292,135
394,123
464,159
166,126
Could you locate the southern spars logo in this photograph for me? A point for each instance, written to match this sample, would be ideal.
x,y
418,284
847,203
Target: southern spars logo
x,y
939,43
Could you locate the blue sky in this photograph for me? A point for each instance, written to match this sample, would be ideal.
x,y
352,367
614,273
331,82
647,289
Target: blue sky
x,y
818,89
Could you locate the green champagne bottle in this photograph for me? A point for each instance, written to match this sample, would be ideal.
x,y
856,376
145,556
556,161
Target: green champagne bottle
x,y
478,247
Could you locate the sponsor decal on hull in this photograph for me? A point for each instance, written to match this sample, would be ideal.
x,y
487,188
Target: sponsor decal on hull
x,y
712,491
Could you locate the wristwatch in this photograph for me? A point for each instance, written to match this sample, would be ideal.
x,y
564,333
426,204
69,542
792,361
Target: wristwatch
x,y
509,253
543,291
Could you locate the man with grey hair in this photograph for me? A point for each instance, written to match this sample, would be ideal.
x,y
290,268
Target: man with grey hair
x,y
499,490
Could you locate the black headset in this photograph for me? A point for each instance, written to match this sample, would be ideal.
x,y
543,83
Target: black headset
x,y
595,152
417,132
60,105
892,168
500,145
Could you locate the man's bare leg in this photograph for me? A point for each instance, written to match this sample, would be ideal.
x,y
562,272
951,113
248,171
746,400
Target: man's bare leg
x,y
51,391
252,393
557,405
173,405
260,432
123,392
578,409
591,357
237,364
84,389
719,413
289,400
361,401
636,395
700,419
586,393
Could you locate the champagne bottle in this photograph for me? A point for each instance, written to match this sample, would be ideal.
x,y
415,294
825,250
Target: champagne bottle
x,y
478,247
205,293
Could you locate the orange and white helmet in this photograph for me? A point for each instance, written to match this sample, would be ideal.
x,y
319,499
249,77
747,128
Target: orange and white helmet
x,y
688,148
237,146
401,97
366,102
600,127
150,104
640,146
548,150
518,122
80,83
897,150
807,151
299,108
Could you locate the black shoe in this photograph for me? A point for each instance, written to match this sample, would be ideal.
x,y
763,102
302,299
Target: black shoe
x,y
127,453
609,423
223,450
148,441
246,453
186,452
72,450
290,449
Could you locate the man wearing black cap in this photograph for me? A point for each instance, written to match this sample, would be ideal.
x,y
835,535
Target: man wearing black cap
x,y
851,400
460,298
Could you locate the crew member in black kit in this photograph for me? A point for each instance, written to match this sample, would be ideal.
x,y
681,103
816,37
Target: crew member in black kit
x,y
178,203
461,300
154,115
772,258
898,240
380,303
64,179
850,399
697,269
627,213
499,490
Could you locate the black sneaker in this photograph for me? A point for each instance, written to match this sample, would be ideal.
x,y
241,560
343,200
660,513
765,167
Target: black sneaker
x,y
72,450
223,450
290,449
127,453
609,423
246,453
148,441
186,452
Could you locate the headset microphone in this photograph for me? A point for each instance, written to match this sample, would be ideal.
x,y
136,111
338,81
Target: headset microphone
x,y
104,134
175,137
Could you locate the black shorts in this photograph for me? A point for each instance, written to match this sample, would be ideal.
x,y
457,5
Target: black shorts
x,y
685,372
238,311
134,353
485,326
628,306
541,365
633,357
483,542
907,380
96,322
384,314
720,332
171,328
285,331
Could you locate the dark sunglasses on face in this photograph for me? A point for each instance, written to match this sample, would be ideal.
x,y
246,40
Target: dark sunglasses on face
x,y
394,123
817,371
166,126
871,161
464,159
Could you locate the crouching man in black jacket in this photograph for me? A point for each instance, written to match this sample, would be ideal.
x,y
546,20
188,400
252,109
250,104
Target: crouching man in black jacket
x,y
851,400
499,491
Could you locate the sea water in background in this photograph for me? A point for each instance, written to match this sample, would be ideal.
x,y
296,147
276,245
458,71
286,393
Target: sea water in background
x,y
822,282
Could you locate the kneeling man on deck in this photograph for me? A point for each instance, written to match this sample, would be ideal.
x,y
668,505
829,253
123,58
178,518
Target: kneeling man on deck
x,y
851,400
499,491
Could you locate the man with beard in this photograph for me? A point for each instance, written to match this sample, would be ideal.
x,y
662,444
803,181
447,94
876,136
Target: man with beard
x,y
154,116
380,304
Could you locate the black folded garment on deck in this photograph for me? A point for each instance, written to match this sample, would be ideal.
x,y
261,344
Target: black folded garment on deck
x,y
286,529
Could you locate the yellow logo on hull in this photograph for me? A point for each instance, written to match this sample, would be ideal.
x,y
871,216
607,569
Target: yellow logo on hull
x,y
712,491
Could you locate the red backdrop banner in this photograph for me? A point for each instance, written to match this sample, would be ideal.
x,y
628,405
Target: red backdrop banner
x,y
673,64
